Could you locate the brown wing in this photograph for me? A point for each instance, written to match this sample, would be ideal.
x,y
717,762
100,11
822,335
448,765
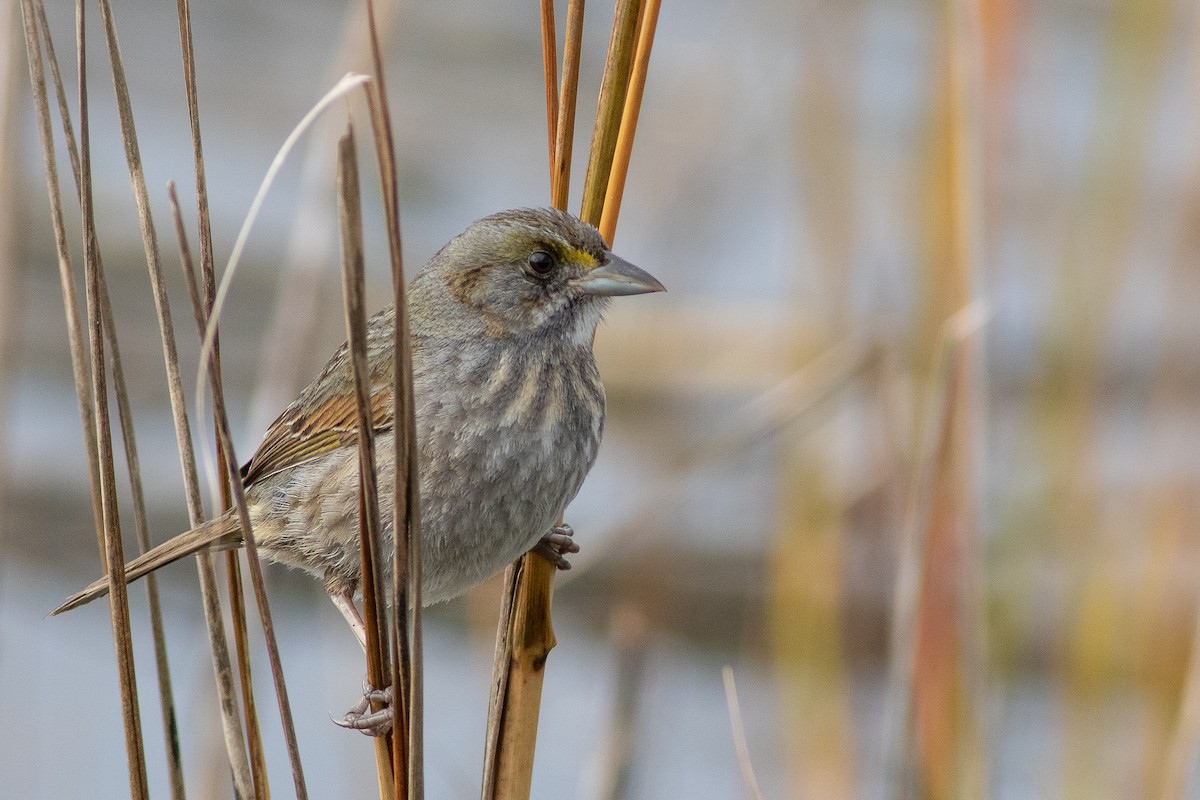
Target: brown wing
x,y
298,436
324,417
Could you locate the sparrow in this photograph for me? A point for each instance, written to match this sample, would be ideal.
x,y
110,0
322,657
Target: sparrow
x,y
509,413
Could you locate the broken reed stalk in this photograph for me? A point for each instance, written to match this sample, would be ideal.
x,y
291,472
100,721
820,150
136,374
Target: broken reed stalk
x,y
370,540
525,635
113,551
142,530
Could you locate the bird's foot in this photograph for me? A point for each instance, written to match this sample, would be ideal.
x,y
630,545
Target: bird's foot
x,y
555,545
362,719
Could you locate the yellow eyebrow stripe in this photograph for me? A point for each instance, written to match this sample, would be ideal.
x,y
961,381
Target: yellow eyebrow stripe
x,y
582,257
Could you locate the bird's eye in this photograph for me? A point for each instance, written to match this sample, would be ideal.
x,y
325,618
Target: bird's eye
x,y
541,262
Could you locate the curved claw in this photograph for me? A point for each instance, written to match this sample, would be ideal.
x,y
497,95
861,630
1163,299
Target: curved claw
x,y
361,718
556,544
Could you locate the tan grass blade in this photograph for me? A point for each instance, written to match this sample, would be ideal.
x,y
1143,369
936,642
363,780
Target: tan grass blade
x,y
408,742
564,131
370,539
550,74
75,340
934,510
231,723
113,549
237,602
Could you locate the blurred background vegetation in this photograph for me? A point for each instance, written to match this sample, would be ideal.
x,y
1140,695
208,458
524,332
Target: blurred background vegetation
x,y
911,444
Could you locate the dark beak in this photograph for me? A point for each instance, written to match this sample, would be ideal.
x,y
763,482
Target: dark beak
x,y
617,277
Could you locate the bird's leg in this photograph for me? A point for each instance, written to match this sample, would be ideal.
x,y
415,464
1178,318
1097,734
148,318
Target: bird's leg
x,y
344,602
556,544
361,718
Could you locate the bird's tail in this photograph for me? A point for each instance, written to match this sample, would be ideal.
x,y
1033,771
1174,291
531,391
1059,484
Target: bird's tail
x,y
221,533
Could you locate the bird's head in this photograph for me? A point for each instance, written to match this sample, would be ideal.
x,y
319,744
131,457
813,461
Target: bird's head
x,y
534,271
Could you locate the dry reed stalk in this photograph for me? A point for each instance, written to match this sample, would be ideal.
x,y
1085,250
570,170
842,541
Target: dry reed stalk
x,y
142,529
933,510
745,767
525,634
943,721
249,773
550,76
610,107
564,130
233,477
175,770
524,640
370,541
113,552
245,779
647,23
408,743
76,346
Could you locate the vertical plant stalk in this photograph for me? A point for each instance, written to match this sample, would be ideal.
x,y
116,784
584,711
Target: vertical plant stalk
x,y
745,767
525,635
370,540
564,124
937,487
247,773
647,23
113,551
244,781
408,744
550,74
947,726
609,109
225,440
79,366
10,318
